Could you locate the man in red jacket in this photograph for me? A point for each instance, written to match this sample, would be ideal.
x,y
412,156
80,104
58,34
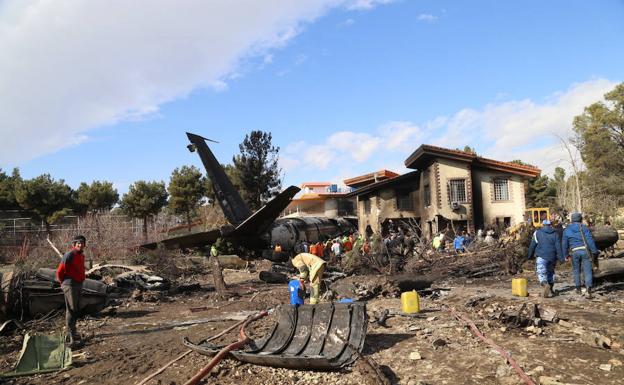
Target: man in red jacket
x,y
71,274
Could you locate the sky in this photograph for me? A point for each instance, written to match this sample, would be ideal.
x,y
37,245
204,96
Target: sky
x,y
106,89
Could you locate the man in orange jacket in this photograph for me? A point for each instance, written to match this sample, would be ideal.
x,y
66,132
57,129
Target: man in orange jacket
x,y
71,274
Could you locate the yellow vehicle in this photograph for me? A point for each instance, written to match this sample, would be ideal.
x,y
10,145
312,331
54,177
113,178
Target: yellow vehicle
x,y
535,216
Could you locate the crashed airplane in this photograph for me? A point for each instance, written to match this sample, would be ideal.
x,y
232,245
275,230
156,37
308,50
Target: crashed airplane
x,y
255,231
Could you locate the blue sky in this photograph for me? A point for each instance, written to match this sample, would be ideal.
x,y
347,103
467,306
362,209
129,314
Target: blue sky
x,y
106,92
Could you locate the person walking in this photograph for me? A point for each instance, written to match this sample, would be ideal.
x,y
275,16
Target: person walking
x,y
546,246
578,243
310,265
459,243
71,274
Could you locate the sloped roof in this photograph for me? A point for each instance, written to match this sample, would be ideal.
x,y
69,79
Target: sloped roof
x,y
366,179
424,153
384,183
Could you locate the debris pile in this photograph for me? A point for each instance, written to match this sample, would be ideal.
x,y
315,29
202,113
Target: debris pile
x,y
27,294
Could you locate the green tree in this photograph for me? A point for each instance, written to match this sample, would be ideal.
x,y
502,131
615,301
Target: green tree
x,y
600,140
144,200
8,186
540,192
257,169
47,199
186,191
469,149
96,197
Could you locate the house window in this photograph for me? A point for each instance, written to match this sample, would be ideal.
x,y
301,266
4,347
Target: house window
x,y
501,189
404,200
367,206
427,195
457,190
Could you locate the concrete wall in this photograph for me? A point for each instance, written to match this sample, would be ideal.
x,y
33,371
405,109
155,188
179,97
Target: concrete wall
x,y
513,208
383,206
438,175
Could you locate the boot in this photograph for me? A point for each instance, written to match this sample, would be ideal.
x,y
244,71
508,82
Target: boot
x,y
547,292
589,293
578,290
552,289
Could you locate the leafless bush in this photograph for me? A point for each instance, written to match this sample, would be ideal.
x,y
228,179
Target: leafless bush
x,y
109,238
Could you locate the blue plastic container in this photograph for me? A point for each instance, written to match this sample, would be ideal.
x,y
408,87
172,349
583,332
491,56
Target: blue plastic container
x,y
296,292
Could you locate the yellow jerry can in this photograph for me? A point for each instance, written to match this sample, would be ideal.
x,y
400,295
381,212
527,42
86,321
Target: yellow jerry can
x,y
519,287
410,302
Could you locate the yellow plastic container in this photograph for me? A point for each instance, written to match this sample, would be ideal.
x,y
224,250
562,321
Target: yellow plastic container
x,y
410,302
519,287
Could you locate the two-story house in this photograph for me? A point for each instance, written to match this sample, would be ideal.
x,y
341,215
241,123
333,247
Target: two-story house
x,y
449,188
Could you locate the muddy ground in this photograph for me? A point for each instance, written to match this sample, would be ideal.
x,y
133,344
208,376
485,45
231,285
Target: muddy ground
x,y
129,342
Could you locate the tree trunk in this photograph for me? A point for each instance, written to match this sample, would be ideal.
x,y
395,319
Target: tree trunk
x,y
145,228
188,220
217,276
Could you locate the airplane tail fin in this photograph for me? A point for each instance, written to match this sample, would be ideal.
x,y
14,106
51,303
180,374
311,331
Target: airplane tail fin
x,y
233,206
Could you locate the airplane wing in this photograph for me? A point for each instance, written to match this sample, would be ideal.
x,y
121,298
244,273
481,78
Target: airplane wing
x,y
186,241
260,221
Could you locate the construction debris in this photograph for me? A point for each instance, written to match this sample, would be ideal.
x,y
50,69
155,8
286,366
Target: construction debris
x,y
292,343
136,280
28,294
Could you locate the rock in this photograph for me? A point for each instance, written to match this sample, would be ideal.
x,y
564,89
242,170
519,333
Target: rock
x,y
536,370
543,380
415,355
502,371
439,342
432,318
565,324
605,367
595,339
615,362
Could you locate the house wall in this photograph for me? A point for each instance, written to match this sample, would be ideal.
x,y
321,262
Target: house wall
x,y
513,208
438,175
384,206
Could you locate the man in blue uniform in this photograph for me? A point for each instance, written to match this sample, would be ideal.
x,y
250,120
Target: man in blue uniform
x,y
578,242
546,245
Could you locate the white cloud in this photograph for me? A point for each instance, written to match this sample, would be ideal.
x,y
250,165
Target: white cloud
x,y
366,4
71,66
427,17
505,130
516,129
300,59
400,135
348,23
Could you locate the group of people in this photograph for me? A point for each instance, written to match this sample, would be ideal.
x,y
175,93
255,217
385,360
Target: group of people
x,y
332,249
462,240
576,244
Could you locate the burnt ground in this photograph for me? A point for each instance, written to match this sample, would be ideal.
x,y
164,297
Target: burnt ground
x,y
128,342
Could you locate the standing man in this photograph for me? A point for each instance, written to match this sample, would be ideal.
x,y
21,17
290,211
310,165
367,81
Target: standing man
x,y
459,244
578,242
312,266
71,274
546,245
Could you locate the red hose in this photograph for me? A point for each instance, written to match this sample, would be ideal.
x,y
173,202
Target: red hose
x,y
460,317
243,340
